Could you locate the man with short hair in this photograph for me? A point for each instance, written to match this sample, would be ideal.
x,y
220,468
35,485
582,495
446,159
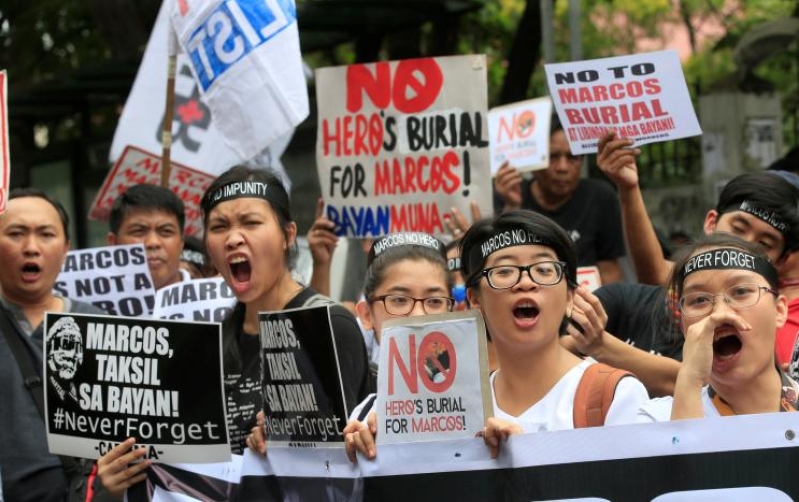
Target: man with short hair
x,y
154,216
34,241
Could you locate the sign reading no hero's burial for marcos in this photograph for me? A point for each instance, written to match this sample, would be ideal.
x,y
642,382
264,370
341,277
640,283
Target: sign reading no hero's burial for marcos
x,y
400,143
108,378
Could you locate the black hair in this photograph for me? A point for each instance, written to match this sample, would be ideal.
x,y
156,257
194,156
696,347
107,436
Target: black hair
x,y
17,193
231,325
765,191
707,242
245,173
534,223
146,197
376,272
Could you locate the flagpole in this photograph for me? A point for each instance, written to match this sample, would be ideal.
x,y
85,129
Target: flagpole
x,y
169,112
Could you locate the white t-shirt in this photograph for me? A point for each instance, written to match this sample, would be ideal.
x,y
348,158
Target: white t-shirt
x,y
556,410
659,409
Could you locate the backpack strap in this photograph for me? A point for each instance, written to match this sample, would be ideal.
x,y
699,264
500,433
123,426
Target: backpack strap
x,y
316,300
595,394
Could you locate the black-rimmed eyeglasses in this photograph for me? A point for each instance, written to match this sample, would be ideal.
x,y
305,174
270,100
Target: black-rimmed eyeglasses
x,y
543,273
404,305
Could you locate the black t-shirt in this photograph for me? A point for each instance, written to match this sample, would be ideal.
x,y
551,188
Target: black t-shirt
x,y
592,218
638,314
243,388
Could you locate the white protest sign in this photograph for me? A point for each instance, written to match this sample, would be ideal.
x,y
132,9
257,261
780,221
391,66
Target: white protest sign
x,y
400,143
245,56
519,134
589,278
5,161
138,166
209,300
432,381
109,378
642,97
114,278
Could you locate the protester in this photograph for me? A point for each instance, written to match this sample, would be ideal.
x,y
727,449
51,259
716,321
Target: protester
x,y
154,216
34,240
758,207
194,259
727,290
251,240
528,298
587,209
404,277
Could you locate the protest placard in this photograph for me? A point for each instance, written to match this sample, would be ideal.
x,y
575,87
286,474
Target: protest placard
x,y
209,300
5,160
642,97
109,378
114,278
432,381
400,143
589,278
138,166
519,134
303,393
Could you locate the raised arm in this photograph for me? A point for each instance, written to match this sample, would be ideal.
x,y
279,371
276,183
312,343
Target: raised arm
x,y
617,160
322,242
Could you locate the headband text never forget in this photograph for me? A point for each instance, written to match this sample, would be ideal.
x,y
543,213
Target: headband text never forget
x,y
238,189
727,259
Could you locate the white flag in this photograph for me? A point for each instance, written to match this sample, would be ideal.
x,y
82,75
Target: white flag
x,y
245,56
196,142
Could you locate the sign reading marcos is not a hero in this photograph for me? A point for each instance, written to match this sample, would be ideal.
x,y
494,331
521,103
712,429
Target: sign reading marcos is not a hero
x,y
109,378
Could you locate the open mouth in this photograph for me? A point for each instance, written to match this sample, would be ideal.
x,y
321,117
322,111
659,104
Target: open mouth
x,y
240,269
726,345
30,269
525,311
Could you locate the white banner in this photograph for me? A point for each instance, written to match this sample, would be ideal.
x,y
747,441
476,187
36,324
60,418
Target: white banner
x,y
209,300
5,161
519,134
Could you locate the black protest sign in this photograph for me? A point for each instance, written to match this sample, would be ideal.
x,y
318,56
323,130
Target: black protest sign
x,y
302,390
114,278
109,378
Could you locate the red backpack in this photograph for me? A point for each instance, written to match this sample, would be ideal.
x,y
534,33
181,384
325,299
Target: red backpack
x,y
595,394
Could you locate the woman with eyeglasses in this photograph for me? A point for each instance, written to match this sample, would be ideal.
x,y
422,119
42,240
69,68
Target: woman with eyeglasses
x,y
407,275
730,311
521,272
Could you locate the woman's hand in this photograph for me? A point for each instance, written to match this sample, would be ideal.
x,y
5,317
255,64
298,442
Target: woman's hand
x,y
457,224
508,184
117,470
617,160
587,322
256,440
322,239
697,353
496,432
361,437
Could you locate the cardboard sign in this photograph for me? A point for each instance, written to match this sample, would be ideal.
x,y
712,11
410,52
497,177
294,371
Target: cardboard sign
x,y
432,381
589,278
642,97
303,394
109,378
400,143
519,134
137,166
113,278
209,300
5,160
